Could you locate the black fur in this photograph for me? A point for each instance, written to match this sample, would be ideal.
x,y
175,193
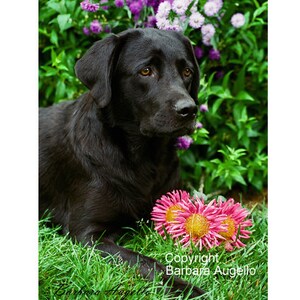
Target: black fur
x,y
107,156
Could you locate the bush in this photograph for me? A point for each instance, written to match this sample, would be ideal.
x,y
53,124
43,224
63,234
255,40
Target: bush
x,y
230,148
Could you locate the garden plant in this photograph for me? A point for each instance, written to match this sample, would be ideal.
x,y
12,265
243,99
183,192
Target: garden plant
x,y
226,152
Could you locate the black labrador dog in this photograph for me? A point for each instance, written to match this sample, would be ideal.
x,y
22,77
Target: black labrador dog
x,y
107,156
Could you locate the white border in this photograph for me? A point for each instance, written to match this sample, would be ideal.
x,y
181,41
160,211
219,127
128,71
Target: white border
x,y
284,149
19,150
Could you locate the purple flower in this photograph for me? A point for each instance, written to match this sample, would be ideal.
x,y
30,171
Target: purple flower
x,y
119,3
214,54
154,4
95,26
151,21
237,20
90,7
136,7
203,108
198,52
184,142
210,8
198,125
219,74
105,7
196,20
107,29
86,31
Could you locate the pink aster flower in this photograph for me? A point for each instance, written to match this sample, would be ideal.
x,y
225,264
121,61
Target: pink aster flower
x,y
166,208
237,20
196,20
236,223
199,224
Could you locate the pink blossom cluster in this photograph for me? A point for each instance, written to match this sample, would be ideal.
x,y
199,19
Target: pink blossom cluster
x,y
188,220
90,7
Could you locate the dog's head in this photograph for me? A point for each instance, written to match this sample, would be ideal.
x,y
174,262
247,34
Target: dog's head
x,y
147,77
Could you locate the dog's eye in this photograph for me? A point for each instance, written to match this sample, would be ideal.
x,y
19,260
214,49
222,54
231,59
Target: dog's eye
x,y
187,72
147,71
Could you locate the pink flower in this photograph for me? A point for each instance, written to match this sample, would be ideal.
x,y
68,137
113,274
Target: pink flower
x,y
237,20
199,125
236,223
163,10
199,224
184,142
90,7
180,6
208,30
196,20
210,8
166,208
203,108
219,3
95,26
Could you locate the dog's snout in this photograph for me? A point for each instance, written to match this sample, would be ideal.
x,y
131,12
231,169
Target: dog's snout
x,y
186,108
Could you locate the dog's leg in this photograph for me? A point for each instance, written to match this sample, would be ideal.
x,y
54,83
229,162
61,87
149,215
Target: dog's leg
x,y
147,267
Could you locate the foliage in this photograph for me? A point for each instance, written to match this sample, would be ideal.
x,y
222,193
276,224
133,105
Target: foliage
x,y
231,147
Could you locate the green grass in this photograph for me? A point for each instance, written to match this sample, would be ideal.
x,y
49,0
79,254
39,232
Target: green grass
x,y
70,271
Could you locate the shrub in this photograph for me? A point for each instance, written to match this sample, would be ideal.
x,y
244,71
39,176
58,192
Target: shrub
x,y
230,42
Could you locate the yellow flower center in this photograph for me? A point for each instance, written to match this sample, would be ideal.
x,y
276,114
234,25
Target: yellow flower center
x,y
230,229
197,226
171,213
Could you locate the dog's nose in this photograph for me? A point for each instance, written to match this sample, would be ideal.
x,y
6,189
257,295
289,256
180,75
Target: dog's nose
x,y
186,108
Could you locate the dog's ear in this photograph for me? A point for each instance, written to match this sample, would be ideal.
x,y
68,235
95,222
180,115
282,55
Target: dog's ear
x,y
195,83
95,69
196,76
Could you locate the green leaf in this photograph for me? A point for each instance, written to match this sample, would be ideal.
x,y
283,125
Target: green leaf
x,y
64,22
59,7
71,5
238,177
243,95
49,71
259,11
226,80
60,90
216,105
239,84
54,38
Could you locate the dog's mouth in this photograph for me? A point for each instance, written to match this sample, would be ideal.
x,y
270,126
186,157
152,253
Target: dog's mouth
x,y
169,131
